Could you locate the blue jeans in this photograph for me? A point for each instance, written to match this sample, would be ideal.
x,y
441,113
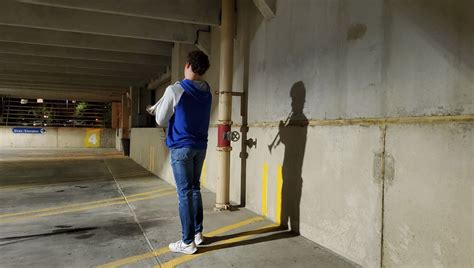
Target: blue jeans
x,y
187,165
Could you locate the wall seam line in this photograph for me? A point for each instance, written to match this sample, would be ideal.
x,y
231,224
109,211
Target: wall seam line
x,y
384,139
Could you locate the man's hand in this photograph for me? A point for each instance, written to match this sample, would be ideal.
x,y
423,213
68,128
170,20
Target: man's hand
x,y
150,109
281,125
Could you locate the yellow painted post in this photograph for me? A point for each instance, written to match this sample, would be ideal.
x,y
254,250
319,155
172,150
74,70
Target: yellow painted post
x,y
264,189
279,187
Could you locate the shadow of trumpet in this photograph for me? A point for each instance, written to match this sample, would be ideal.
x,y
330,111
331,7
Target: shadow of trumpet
x,y
276,141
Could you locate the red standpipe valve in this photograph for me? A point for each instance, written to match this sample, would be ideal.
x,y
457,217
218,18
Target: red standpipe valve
x,y
222,133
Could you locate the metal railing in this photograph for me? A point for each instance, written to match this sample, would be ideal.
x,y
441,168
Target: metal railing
x,y
54,113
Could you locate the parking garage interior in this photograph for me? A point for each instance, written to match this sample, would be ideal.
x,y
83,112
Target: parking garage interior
x,y
350,126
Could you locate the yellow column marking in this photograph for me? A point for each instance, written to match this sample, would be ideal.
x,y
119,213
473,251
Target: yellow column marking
x,y
203,174
82,206
264,189
279,187
222,244
164,250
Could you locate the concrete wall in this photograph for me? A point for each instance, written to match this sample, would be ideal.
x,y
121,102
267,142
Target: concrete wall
x,y
57,138
408,64
429,196
148,148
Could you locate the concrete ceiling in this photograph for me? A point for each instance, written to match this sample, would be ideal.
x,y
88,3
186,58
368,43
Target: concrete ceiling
x,y
94,50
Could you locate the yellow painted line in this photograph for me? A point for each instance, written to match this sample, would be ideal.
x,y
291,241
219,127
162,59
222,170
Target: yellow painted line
x,y
133,175
121,176
64,211
134,259
220,245
234,226
203,174
82,204
46,158
264,189
279,188
32,185
164,250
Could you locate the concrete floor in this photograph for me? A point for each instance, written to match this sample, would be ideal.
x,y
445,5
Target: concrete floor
x,y
73,213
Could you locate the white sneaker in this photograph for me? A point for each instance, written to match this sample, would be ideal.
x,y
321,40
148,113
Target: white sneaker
x,y
180,246
198,239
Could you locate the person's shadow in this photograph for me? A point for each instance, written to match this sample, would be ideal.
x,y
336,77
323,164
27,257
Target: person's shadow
x,y
293,135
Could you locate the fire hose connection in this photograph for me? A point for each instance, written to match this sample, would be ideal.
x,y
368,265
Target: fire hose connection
x,y
233,136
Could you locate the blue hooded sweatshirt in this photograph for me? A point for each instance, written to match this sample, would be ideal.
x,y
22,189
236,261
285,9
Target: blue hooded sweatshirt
x,y
186,108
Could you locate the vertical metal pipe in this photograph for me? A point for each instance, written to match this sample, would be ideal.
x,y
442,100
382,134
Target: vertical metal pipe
x,y
225,100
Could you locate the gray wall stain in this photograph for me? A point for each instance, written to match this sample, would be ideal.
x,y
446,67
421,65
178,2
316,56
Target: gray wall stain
x,y
356,31
377,171
389,169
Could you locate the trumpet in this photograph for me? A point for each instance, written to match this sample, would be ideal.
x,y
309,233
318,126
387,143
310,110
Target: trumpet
x,y
277,140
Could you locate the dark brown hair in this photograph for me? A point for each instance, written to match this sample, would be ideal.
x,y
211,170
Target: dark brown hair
x,y
199,62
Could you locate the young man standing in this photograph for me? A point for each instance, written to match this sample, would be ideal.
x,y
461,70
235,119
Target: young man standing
x,y
185,108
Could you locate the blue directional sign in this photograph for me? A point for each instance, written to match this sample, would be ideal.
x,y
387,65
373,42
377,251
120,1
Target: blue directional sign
x,y
28,130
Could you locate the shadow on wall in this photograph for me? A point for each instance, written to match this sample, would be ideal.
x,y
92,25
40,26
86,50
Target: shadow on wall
x,y
293,134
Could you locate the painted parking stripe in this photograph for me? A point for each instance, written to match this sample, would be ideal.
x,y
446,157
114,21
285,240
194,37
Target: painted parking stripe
x,y
64,211
122,176
83,206
78,157
33,185
34,216
164,250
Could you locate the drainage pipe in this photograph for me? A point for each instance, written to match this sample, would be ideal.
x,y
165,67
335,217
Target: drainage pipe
x,y
225,104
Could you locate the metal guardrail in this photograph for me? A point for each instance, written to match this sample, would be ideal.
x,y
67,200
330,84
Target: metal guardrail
x,y
54,113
